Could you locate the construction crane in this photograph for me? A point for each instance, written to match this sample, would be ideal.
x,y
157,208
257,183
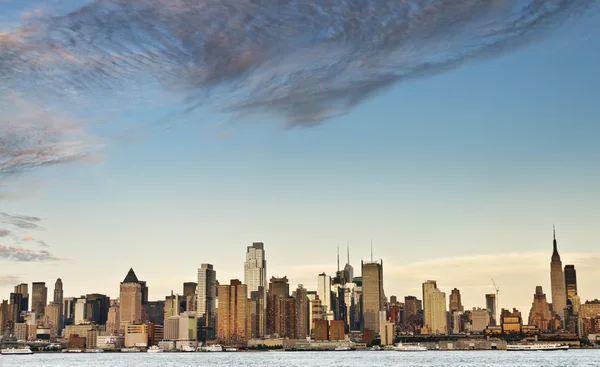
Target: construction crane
x,y
496,313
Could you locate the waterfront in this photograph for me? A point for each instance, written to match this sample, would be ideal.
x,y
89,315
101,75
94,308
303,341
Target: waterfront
x,y
578,358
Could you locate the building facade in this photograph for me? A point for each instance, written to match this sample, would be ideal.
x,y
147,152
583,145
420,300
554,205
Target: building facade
x,y
557,282
232,313
372,293
130,301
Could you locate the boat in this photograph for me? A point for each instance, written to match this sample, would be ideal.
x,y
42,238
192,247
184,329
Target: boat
x,y
410,348
16,351
154,349
94,350
72,350
187,348
231,349
130,350
341,349
536,347
375,348
214,348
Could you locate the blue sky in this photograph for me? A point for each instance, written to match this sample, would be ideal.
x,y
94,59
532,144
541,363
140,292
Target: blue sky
x,y
475,163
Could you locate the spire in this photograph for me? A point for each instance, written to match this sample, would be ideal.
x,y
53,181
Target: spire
x,y
348,250
131,278
371,250
338,257
555,252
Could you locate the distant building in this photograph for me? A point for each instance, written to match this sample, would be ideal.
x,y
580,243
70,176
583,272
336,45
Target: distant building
x,y
130,301
480,319
232,313
434,307
279,292
58,300
455,301
337,330
321,330
557,278
54,317
372,294
255,277
97,306
153,312
324,292
39,298
112,321
302,312
490,304
388,333
206,299
540,314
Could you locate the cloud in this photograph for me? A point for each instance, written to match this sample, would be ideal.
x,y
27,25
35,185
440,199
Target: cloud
x,y
303,61
4,232
28,237
43,244
20,254
8,280
20,221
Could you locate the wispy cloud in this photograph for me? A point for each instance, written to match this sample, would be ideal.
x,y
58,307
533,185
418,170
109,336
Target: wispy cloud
x,y
8,280
14,253
305,61
20,221
4,232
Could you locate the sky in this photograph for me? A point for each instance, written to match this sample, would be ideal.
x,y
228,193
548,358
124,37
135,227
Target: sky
x,y
454,151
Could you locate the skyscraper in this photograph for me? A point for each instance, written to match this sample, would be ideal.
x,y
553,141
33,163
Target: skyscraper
x,y
58,301
232,316
455,301
540,314
434,307
206,292
255,278
279,289
39,298
96,308
372,293
302,312
490,304
570,281
130,301
348,269
324,291
557,282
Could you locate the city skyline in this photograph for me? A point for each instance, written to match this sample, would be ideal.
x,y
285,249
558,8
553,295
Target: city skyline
x,y
471,296
457,176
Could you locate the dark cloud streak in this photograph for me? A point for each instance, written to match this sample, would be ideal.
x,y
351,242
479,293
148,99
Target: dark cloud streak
x,y
20,254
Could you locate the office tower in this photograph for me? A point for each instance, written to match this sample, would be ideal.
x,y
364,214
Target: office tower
x,y
570,281
232,316
302,313
97,306
490,304
68,310
189,292
480,319
153,312
540,314
255,277
79,311
39,298
144,290
455,301
4,316
206,291
434,307
348,269
23,290
279,288
206,298
130,301
372,294
58,300
324,291
410,307
54,317
557,282
112,322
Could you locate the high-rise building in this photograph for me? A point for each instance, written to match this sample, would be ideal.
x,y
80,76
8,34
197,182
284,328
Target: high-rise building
x,y
144,290
348,269
97,306
255,277
570,281
39,298
113,319
480,319
279,289
54,317
4,316
206,291
324,292
372,293
540,314
455,301
557,282
434,307
79,310
130,301
58,300
302,312
191,299
490,304
411,307
232,316
23,290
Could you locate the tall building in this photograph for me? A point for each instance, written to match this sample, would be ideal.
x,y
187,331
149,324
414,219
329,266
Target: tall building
x,y
206,291
411,307
540,314
112,322
191,299
279,289
570,281
39,298
96,308
348,269
455,301
232,316
302,312
324,291
557,282
372,293
434,307
490,304
130,301
255,277
480,319
23,290
58,300
54,317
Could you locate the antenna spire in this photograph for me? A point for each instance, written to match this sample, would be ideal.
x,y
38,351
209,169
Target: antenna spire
x,y
371,250
348,250
338,257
